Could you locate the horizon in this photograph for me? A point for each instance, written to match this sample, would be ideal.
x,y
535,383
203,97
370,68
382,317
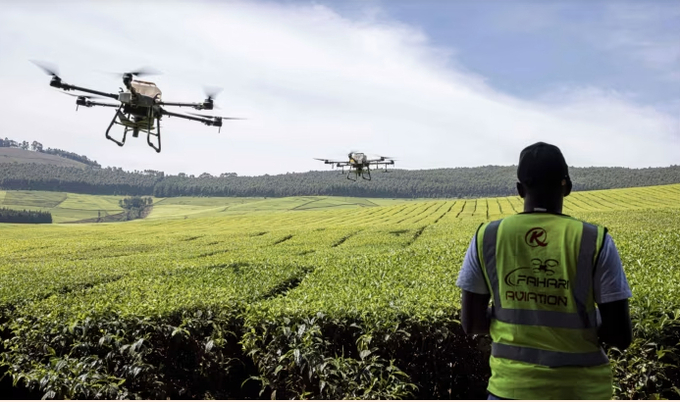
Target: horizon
x,y
335,170
436,84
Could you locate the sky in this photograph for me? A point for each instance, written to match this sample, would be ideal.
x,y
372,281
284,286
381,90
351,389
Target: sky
x,y
435,84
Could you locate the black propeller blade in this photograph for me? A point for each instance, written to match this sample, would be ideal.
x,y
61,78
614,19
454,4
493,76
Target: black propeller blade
x,y
83,96
211,92
140,72
48,68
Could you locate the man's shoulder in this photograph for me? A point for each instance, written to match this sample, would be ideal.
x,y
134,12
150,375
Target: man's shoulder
x,y
521,215
583,221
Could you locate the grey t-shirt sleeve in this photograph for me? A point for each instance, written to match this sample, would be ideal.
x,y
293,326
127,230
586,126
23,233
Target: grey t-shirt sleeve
x,y
609,281
470,277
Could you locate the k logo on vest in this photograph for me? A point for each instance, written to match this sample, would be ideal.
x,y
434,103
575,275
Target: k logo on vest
x,y
536,237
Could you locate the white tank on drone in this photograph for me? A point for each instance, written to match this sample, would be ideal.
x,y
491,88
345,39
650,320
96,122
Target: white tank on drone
x,y
146,88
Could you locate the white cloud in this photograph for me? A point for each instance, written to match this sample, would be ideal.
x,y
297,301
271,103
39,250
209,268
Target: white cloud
x,y
310,82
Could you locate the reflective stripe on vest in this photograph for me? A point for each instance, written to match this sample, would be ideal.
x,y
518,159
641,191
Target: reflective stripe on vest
x,y
581,319
547,357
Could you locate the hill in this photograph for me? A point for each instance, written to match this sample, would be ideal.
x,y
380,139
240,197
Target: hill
x,y
18,155
486,181
71,208
63,171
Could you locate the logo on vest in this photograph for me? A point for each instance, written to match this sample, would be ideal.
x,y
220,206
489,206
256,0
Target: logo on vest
x,y
541,271
536,237
538,275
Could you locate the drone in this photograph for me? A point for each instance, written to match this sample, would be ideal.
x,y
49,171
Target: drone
x,y
359,164
140,105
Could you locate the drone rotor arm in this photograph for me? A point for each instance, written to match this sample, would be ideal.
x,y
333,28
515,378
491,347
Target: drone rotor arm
x,y
57,82
330,162
205,120
198,106
102,104
382,159
68,87
381,163
216,118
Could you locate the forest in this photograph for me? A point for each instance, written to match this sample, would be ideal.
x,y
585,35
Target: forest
x,y
13,216
486,181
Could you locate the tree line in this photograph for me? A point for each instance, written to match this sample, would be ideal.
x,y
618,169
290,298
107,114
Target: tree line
x,y
38,147
485,181
14,216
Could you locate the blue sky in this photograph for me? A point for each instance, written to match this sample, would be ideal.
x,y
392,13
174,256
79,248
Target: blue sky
x,y
434,83
527,48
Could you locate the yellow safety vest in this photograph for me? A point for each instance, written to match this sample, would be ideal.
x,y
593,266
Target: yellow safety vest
x,y
539,269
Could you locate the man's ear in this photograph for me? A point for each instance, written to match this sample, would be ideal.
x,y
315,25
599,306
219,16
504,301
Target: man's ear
x,y
520,190
566,187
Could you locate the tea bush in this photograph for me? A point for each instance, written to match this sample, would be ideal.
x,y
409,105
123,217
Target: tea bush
x,y
353,303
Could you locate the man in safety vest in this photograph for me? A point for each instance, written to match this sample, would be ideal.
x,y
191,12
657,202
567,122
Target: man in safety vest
x,y
545,272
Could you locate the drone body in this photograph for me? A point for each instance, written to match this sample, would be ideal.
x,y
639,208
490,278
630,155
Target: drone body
x,y
359,164
140,106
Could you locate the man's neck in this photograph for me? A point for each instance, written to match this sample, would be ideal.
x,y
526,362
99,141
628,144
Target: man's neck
x,y
551,205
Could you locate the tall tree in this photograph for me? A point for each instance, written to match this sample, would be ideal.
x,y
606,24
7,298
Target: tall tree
x,y
36,146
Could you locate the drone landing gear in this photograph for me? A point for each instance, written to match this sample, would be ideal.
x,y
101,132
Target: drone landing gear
x,y
129,125
113,121
157,134
365,174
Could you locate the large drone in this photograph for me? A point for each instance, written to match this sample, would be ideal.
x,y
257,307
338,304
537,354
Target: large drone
x,y
140,105
359,164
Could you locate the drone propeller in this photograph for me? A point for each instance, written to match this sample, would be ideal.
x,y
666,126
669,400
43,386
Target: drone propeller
x,y
140,72
83,96
144,71
211,92
48,68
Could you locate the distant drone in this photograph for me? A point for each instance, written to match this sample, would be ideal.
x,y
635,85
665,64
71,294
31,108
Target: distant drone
x,y
359,164
140,104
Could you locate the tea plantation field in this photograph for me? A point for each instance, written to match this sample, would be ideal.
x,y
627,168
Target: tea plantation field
x,y
301,297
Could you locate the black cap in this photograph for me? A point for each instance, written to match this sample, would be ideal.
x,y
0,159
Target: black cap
x,y
542,164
